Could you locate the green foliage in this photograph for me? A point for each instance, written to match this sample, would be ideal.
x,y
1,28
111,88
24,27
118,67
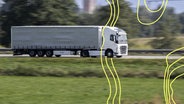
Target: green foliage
x,y
38,12
126,21
86,19
165,43
181,19
166,29
146,17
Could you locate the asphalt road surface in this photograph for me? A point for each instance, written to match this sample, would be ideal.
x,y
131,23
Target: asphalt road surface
x,y
124,57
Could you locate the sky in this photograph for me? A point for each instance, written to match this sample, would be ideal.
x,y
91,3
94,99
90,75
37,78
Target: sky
x,y
1,2
177,4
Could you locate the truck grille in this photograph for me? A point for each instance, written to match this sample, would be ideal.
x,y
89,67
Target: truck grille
x,y
123,49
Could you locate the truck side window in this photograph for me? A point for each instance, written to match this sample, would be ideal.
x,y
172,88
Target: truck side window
x,y
112,37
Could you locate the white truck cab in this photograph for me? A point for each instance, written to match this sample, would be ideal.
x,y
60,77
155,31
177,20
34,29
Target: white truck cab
x,y
115,42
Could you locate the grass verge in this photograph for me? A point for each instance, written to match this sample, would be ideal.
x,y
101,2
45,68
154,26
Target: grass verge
x,y
82,67
56,90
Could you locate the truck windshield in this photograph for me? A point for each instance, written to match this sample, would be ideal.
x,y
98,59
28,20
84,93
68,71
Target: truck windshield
x,y
122,39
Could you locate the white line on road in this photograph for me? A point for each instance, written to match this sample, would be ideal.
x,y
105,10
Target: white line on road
x,y
124,57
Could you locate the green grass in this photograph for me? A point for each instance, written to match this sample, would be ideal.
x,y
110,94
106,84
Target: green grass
x,y
55,90
140,43
144,43
81,81
81,67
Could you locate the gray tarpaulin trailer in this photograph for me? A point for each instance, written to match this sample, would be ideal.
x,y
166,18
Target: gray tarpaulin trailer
x,y
66,40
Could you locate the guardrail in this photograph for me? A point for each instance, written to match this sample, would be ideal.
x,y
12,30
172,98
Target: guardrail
x,y
158,51
5,49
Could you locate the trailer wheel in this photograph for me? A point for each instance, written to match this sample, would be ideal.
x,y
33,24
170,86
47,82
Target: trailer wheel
x,y
58,55
109,53
84,53
41,53
49,53
32,53
118,56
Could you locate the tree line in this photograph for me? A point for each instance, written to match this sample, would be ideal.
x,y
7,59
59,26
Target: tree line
x,y
66,12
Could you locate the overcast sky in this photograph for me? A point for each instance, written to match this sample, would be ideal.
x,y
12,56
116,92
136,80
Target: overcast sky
x,y
177,4
1,2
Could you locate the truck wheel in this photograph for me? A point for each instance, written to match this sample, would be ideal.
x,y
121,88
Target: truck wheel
x,y
41,53
118,56
109,53
58,55
49,53
32,53
84,53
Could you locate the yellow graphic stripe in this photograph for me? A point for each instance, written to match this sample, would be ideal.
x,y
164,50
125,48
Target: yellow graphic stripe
x,y
116,74
172,91
116,91
154,11
119,82
166,73
167,85
168,79
114,21
164,3
101,53
114,13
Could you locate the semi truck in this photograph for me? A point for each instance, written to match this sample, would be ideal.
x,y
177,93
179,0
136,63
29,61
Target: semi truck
x,y
85,41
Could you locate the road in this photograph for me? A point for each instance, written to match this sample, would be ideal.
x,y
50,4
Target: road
x,y
124,57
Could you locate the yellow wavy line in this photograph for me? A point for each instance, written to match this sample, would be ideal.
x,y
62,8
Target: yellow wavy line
x,y
112,24
166,76
114,13
119,82
170,75
172,91
164,6
101,54
116,91
168,79
154,11
151,23
117,76
114,19
166,84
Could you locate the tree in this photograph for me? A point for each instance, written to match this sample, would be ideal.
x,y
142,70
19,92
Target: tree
x,y
146,17
181,19
38,12
166,30
127,19
86,19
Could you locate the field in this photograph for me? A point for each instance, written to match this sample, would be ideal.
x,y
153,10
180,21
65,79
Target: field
x,y
55,90
81,81
77,67
144,43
